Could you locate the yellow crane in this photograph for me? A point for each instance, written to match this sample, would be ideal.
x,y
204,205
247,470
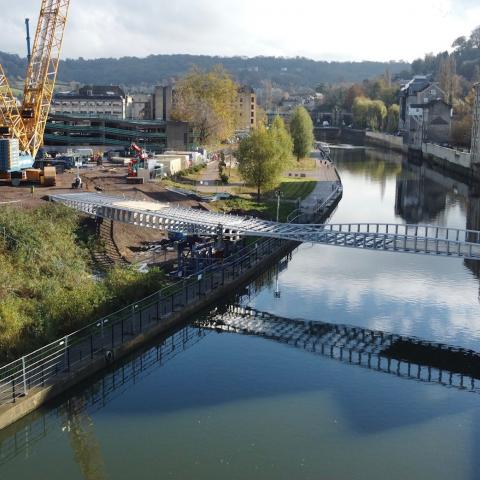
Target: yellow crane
x,y
27,121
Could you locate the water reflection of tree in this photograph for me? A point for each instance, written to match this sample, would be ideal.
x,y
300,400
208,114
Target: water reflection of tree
x,y
85,446
377,165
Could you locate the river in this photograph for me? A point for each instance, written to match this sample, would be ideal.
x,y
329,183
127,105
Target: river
x,y
209,404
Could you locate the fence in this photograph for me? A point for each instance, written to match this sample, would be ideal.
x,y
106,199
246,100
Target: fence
x,y
100,339
77,350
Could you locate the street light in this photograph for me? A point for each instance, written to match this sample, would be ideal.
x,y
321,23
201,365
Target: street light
x,y
278,194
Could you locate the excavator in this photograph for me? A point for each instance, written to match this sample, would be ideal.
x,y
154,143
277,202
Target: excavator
x,y
23,125
137,162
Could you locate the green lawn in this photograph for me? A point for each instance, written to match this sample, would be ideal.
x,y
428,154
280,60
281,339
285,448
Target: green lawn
x,y
294,188
266,209
304,164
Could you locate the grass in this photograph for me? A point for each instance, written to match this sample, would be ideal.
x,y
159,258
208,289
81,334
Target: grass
x,y
294,188
48,287
306,164
246,206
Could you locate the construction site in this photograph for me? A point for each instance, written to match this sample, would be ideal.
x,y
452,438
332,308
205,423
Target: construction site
x,y
30,172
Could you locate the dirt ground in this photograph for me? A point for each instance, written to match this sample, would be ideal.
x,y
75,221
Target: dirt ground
x,y
108,179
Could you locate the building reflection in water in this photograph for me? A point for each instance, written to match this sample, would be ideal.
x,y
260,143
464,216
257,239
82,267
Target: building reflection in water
x,y
424,194
473,223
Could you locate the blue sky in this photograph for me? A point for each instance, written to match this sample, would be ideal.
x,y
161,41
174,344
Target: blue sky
x,y
319,29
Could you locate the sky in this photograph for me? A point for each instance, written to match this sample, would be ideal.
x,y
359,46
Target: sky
x,y
323,30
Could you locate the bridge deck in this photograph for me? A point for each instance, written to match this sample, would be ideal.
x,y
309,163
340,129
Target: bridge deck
x,y
419,239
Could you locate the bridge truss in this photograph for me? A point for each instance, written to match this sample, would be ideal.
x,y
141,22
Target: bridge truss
x,y
418,239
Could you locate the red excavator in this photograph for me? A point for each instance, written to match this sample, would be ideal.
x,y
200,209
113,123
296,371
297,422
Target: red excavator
x,y
137,162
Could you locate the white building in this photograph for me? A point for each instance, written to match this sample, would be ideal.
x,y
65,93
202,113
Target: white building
x,y
92,101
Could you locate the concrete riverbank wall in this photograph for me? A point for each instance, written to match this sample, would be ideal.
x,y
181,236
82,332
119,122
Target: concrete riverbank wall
x,y
384,140
448,159
35,382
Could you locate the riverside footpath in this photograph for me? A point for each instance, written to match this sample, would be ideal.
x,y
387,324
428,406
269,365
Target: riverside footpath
x,y
38,377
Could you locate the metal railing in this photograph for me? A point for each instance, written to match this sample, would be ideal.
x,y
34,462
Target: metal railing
x,y
100,338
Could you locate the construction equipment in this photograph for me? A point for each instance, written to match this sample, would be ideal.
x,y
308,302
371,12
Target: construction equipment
x,y
138,161
26,122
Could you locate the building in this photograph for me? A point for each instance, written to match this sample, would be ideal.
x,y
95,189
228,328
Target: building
x,y
105,133
140,107
247,109
162,100
475,158
92,100
425,116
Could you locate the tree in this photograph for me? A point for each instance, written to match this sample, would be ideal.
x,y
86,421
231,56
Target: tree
x,y
393,117
283,142
259,161
460,42
301,129
207,100
360,110
475,38
376,114
352,93
447,77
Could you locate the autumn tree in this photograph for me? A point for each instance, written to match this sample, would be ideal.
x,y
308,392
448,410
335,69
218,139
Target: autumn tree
x,y
376,115
393,117
208,101
369,113
447,77
352,93
462,121
360,110
301,130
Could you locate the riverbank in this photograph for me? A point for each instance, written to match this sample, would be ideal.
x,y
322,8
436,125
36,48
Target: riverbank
x,y
39,377
448,159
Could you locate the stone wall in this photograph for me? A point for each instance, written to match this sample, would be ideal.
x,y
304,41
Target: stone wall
x,y
455,157
386,140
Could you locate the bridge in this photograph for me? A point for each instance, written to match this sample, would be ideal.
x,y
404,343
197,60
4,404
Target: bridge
x,y
399,355
418,239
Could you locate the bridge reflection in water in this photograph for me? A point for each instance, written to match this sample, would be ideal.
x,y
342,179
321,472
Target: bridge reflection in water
x,y
405,357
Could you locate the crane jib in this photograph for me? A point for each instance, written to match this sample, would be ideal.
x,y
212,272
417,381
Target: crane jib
x,y
27,122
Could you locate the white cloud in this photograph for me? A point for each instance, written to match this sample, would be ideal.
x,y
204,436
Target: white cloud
x,y
340,30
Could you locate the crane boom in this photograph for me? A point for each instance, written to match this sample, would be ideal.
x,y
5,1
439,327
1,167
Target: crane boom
x,y
10,119
42,72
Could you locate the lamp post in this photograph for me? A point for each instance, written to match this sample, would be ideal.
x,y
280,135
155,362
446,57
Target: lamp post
x,y
278,194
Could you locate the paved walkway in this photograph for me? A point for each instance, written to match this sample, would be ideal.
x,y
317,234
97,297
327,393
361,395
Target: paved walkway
x,y
210,174
326,177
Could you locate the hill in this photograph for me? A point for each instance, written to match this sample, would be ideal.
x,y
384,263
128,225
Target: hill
x,y
282,72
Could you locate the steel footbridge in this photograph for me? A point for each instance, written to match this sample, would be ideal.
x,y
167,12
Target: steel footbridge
x,y
418,239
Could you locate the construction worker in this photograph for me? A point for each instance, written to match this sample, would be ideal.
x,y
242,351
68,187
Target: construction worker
x,y
77,183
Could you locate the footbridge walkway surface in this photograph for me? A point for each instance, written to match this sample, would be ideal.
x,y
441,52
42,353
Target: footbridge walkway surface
x,y
418,239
